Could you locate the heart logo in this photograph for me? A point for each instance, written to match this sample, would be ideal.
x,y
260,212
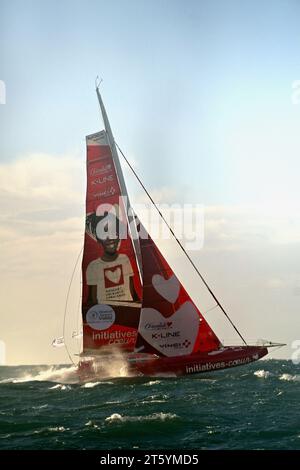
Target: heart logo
x,y
179,337
113,276
167,288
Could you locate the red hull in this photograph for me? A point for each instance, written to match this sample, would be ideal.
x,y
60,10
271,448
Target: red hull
x,y
202,362
231,356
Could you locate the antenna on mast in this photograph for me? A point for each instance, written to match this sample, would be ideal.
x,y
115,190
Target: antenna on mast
x,y
98,82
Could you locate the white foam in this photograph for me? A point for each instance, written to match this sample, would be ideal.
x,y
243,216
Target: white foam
x,y
66,374
152,382
90,384
94,384
144,402
155,399
262,374
116,417
7,381
58,429
290,378
91,424
60,387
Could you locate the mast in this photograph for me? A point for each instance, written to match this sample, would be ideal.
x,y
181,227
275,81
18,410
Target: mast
x,y
131,226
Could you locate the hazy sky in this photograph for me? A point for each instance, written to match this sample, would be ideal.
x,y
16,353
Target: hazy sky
x,y
200,98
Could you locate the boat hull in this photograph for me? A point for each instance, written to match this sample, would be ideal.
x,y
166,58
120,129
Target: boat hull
x,y
202,362
196,363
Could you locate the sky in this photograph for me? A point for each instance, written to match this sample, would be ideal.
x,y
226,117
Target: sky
x,y
203,99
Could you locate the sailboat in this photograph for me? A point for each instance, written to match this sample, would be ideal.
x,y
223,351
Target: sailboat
x,y
133,304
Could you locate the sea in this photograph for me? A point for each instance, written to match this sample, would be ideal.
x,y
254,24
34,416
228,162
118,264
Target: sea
x,y
249,407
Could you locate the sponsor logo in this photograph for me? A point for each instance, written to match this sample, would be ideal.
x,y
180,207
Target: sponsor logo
x,y
193,368
116,337
109,192
101,171
158,326
180,345
100,317
184,320
167,334
103,180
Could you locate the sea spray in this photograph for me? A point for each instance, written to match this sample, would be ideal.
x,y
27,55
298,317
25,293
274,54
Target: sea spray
x,y
112,363
57,374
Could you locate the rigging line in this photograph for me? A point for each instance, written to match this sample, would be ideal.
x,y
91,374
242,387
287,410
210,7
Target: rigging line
x,y
66,305
79,314
181,246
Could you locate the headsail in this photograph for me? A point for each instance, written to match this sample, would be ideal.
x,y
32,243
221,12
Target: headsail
x,y
111,282
170,322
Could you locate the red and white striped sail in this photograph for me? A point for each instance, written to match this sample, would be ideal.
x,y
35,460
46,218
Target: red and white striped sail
x,y
111,282
170,323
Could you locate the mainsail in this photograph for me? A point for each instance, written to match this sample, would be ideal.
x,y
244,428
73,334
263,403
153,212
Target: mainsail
x,y
111,281
170,322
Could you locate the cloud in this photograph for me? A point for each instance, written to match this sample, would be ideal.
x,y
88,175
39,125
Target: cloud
x,y
41,232
41,209
236,227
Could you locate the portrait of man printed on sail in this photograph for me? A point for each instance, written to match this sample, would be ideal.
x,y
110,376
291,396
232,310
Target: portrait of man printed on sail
x,y
110,277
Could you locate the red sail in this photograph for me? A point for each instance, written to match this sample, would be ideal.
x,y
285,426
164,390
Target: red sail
x,y
111,283
170,323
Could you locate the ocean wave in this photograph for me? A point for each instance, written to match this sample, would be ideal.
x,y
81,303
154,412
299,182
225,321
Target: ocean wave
x,y
290,377
155,399
116,417
262,374
152,382
6,381
44,431
94,384
60,387
66,374
58,429
145,402
91,424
